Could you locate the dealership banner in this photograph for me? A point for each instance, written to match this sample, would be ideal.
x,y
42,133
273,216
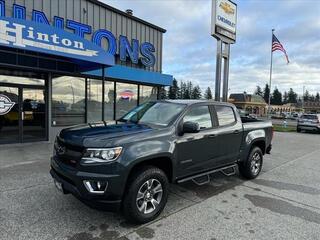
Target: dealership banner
x,y
38,37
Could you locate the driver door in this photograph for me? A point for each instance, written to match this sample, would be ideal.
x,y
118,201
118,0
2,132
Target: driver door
x,y
195,151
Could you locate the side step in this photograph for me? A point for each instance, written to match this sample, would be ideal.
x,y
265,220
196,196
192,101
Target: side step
x,y
204,178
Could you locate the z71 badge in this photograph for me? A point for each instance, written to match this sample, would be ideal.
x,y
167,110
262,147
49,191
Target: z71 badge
x,y
5,104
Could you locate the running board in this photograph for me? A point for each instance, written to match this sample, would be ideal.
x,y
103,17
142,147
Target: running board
x,y
228,174
194,178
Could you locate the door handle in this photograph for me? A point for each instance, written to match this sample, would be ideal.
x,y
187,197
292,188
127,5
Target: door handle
x,y
211,136
236,131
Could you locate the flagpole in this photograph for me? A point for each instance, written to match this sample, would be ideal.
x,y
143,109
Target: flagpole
x,y
270,81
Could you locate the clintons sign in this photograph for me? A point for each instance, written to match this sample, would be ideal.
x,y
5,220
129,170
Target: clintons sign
x,y
35,35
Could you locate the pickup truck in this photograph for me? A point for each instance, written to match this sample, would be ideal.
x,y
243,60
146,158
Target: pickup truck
x,y
128,165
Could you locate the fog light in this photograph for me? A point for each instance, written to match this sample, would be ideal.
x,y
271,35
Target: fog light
x,y
98,187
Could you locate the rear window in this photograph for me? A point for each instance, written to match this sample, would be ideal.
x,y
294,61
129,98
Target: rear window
x,y
310,117
225,115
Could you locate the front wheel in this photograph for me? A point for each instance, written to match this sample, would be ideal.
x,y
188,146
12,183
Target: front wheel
x,y
146,195
298,129
252,167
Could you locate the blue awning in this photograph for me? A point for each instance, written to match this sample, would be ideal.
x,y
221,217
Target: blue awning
x,y
134,75
43,38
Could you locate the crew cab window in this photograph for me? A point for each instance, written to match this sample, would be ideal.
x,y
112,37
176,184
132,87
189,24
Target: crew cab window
x,y
200,115
225,115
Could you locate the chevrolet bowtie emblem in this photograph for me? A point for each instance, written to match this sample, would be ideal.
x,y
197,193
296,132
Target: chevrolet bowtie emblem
x,y
227,8
5,104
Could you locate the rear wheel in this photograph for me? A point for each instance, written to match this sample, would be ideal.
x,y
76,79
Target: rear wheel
x,y
252,167
146,195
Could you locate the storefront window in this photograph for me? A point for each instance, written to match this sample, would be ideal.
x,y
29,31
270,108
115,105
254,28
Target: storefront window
x,y
68,100
126,98
21,80
147,94
94,107
109,101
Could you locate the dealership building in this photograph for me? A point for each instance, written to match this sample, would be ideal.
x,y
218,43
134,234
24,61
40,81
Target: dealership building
x,y
68,62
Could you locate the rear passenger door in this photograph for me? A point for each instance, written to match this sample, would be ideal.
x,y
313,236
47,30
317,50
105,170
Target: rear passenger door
x,y
229,134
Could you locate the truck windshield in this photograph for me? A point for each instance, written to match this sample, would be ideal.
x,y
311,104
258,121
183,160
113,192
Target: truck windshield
x,y
309,116
157,113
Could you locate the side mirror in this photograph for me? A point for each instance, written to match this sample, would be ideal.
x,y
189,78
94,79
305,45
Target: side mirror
x,y
191,127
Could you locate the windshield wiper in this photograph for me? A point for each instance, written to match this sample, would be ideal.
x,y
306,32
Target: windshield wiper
x,y
127,121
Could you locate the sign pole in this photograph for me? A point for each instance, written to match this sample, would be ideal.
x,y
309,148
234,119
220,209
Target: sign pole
x,y
226,57
270,81
223,28
218,71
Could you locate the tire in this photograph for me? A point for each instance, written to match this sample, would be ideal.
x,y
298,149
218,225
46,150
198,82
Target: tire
x,y
251,168
298,129
147,190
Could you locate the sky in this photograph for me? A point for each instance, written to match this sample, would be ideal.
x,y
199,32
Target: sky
x,y
189,51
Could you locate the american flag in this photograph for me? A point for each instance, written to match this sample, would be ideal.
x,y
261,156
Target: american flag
x,y
276,45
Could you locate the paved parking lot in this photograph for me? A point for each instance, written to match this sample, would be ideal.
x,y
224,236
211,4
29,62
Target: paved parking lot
x,y
283,203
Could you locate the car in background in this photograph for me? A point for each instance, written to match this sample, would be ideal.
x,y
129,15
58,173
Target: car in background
x,y
294,116
253,116
309,122
242,113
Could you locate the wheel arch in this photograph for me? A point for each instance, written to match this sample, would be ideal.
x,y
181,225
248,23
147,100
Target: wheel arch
x,y
164,163
261,143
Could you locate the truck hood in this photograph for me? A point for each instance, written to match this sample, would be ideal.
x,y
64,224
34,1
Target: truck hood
x,y
100,135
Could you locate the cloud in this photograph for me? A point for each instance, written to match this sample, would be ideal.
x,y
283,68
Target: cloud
x,y
189,50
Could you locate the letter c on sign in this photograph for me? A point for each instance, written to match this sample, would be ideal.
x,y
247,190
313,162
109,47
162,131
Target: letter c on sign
x,y
112,42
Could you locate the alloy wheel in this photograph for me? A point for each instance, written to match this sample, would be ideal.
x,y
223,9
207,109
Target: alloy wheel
x,y
255,163
149,196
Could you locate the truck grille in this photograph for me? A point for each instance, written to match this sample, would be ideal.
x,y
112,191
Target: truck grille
x,y
66,153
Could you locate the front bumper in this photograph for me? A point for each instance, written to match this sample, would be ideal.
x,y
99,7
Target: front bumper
x,y
72,182
309,127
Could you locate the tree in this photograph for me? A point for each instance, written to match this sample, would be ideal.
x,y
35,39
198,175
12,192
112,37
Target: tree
x,y
285,98
306,96
183,89
266,93
187,90
276,98
174,90
312,98
208,93
258,91
162,93
292,96
317,99
196,92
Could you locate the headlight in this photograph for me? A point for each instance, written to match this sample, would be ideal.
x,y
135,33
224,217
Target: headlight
x,y
101,155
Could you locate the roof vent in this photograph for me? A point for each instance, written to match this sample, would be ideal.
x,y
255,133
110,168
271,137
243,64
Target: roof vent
x,y
129,12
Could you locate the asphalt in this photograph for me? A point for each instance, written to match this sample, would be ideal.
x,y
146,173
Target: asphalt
x,y
283,203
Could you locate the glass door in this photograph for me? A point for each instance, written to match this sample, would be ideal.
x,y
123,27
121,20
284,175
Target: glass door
x,y
9,114
23,109
33,114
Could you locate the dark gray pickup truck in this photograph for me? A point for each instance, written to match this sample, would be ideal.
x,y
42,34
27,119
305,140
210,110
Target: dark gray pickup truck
x,y
128,165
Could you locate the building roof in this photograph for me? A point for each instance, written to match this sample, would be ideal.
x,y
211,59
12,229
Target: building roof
x,y
312,104
98,2
250,98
